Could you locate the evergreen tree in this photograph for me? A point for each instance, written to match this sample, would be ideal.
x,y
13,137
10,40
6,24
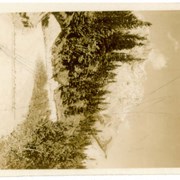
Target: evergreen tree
x,y
85,57
85,54
39,143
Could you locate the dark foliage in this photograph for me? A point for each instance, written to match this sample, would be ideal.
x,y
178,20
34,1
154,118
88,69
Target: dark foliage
x,y
39,143
85,55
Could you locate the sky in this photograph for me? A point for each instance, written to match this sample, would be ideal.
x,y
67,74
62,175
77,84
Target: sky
x,y
152,137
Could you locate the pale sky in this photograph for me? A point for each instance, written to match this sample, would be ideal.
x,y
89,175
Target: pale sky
x,y
152,138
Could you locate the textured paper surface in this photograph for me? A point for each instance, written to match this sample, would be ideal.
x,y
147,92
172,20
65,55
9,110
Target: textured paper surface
x,y
147,146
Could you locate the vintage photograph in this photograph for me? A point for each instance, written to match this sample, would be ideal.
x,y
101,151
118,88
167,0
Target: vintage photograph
x,y
90,89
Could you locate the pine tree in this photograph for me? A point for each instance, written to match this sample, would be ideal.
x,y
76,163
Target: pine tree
x,y
39,143
85,56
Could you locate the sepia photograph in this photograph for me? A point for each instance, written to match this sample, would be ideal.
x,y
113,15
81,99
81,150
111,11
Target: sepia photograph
x,y
90,89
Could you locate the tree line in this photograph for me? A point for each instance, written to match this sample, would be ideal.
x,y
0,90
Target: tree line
x,y
85,55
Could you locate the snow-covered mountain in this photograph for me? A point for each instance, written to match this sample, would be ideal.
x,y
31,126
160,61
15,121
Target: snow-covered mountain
x,y
26,46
